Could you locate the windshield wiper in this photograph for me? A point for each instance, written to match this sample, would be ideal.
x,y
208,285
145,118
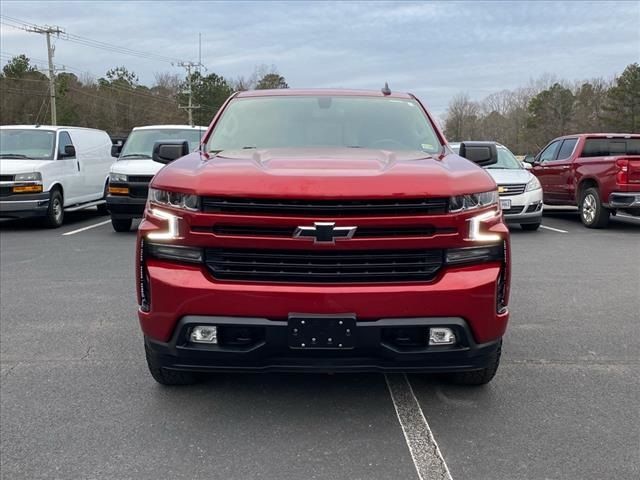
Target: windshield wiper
x,y
12,155
498,168
137,155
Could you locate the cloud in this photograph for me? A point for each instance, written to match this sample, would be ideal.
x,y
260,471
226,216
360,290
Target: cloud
x,y
434,49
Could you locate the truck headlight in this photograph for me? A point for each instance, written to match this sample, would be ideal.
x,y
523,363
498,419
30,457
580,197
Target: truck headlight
x,y
180,200
460,203
28,177
117,178
533,184
476,222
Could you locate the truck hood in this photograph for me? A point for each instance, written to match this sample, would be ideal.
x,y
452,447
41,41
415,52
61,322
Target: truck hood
x,y
142,166
10,166
324,172
508,176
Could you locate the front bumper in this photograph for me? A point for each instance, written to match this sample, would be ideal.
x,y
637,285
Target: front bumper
x,y
373,350
120,206
525,208
624,200
24,205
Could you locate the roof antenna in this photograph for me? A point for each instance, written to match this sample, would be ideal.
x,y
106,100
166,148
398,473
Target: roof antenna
x,y
386,90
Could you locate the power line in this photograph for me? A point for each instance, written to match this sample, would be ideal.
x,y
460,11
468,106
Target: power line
x,y
190,107
80,40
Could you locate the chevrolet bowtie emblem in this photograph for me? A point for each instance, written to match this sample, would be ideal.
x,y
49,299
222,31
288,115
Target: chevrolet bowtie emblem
x,y
324,232
501,189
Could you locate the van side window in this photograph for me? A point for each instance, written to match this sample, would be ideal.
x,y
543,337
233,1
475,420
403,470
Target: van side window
x,y
63,140
550,152
567,148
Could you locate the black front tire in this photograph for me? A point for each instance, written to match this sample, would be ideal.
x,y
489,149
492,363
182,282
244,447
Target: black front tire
x,y
592,213
169,377
530,227
478,377
121,224
55,212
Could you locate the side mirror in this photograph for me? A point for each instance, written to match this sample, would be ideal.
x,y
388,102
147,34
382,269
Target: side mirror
x,y
528,158
168,150
481,153
527,165
68,152
115,150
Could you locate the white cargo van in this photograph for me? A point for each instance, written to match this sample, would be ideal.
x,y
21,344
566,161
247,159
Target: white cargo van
x,y
131,174
45,171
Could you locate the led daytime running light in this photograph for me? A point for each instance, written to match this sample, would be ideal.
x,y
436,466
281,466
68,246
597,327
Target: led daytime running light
x,y
474,227
172,233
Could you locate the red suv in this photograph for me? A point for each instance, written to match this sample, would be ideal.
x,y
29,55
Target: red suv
x,y
323,231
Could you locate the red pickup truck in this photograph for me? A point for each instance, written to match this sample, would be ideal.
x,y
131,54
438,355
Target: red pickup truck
x,y
600,173
323,230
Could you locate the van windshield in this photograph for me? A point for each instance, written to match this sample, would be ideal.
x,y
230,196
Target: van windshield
x,y
140,143
395,124
18,144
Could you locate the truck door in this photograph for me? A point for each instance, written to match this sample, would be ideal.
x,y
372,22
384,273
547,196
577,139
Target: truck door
x,y
562,173
543,169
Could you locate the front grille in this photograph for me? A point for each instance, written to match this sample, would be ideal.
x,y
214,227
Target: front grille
x,y
361,232
6,178
510,189
138,191
512,210
301,266
139,178
334,208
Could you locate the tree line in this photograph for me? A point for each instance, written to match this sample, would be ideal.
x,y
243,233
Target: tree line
x,y
527,118
117,102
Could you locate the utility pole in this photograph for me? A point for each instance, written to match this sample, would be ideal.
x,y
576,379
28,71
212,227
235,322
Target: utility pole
x,y
190,107
47,30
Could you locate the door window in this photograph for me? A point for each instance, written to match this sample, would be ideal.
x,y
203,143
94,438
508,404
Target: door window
x,y
550,152
567,148
63,140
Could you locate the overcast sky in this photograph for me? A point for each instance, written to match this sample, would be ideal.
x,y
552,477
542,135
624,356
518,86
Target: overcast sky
x,y
434,49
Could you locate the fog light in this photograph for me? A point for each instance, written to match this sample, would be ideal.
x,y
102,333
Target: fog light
x,y
204,334
441,336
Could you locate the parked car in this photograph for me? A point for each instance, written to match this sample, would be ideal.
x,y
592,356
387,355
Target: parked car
x,y
323,230
520,191
130,175
600,173
46,171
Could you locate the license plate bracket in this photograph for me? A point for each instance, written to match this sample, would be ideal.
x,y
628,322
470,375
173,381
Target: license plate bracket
x,y
321,332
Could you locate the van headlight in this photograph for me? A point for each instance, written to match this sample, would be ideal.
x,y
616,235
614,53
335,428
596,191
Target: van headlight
x,y
117,178
533,184
30,177
184,201
460,203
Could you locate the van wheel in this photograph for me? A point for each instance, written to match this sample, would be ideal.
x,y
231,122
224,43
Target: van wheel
x,y
55,212
592,213
169,377
478,377
530,227
102,209
121,224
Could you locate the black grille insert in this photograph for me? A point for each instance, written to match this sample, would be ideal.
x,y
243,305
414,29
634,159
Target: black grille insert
x,y
301,266
265,206
361,232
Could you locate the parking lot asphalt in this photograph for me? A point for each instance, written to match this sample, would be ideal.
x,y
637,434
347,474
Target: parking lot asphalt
x,y
76,400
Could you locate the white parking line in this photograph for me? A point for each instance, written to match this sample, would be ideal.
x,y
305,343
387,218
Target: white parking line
x,y
424,450
553,229
73,232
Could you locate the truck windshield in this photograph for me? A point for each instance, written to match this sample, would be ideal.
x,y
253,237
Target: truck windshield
x,y
324,121
140,143
17,144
